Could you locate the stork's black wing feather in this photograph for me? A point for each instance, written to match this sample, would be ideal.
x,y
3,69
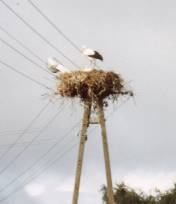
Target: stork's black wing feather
x,y
97,55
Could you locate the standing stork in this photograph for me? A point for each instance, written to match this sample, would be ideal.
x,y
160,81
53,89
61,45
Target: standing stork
x,y
92,55
55,66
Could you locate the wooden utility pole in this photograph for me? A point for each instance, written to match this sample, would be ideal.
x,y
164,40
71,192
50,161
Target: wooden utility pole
x,y
106,152
83,136
85,124
93,87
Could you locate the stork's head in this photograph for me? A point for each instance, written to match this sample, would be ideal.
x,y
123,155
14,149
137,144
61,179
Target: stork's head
x,y
83,48
52,64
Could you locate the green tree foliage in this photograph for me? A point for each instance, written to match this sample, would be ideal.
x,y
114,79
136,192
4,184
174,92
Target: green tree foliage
x,y
126,195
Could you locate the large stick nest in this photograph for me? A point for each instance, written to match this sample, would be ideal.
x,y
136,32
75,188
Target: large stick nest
x,y
91,85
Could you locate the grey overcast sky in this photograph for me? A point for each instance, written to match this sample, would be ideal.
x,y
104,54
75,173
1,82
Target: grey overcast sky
x,y
137,39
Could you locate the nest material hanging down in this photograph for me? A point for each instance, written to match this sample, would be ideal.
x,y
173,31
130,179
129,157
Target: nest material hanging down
x,y
92,85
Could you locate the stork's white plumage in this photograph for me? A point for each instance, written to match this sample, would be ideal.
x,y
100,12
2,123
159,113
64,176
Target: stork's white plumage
x,y
86,69
55,66
92,55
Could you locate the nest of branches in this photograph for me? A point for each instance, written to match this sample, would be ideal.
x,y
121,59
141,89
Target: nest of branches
x,y
91,85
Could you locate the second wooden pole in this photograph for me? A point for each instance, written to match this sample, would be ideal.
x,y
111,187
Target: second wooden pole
x,y
106,152
85,124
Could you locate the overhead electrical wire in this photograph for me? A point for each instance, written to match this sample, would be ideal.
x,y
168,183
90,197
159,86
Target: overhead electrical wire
x,y
25,131
23,74
44,141
14,132
54,26
52,163
58,158
52,147
36,175
38,142
37,33
22,44
26,57
31,142
48,21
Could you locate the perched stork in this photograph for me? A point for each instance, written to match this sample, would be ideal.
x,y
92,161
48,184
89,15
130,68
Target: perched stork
x,y
54,66
92,55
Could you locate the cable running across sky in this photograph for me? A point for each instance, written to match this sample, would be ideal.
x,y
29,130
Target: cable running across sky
x,y
24,75
31,142
37,33
22,44
54,26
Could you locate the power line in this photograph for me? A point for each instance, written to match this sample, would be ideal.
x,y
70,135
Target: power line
x,y
25,130
31,142
24,75
22,44
50,162
14,132
53,162
48,166
54,26
38,142
27,58
37,33
40,173
40,158
53,146
44,141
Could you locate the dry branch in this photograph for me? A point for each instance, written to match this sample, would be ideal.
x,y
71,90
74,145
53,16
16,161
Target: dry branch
x,y
91,85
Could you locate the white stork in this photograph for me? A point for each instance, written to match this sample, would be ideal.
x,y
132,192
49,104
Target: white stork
x,y
92,55
55,66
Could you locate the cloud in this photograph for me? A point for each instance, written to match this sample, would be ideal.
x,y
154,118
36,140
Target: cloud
x,y
35,189
149,180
